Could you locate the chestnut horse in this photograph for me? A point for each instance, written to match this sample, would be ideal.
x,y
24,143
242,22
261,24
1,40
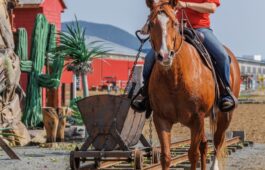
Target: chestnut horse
x,y
182,88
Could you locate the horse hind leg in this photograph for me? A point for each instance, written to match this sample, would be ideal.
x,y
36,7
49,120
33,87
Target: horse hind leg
x,y
219,138
163,128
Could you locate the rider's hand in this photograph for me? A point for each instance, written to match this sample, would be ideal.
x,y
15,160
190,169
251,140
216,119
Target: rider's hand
x,y
145,29
181,4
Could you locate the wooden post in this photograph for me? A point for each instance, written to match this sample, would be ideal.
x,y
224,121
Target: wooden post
x,y
8,150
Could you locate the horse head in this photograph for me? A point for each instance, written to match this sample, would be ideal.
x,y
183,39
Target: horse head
x,y
164,30
11,4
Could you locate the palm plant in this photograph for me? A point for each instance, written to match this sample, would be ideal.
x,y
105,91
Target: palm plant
x,y
73,45
6,134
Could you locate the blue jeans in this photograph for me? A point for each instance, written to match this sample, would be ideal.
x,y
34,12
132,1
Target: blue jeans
x,y
214,47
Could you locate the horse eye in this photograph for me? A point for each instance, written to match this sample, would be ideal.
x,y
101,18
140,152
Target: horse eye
x,y
151,24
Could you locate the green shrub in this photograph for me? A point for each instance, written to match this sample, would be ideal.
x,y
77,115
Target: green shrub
x,y
76,118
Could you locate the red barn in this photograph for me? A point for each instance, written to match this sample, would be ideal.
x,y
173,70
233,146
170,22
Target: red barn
x,y
118,63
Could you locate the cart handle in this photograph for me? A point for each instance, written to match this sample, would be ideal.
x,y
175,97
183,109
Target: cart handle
x,y
141,37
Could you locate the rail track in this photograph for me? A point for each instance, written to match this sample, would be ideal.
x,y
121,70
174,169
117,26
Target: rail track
x,y
179,152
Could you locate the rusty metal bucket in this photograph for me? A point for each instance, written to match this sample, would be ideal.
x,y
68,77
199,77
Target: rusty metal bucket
x,y
110,122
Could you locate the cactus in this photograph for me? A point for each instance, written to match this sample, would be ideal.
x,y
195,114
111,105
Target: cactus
x,y
22,50
22,44
44,40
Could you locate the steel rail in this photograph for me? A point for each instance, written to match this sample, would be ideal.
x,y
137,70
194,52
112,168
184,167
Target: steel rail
x,y
175,160
184,157
174,145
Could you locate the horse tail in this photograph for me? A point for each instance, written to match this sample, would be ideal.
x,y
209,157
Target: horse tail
x,y
213,120
221,154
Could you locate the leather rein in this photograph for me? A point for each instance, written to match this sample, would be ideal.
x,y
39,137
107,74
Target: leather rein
x,y
164,6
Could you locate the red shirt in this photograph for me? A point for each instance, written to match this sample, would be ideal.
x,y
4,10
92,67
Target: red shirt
x,y
197,19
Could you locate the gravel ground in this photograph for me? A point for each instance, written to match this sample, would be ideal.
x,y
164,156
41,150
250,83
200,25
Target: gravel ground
x,y
33,158
250,158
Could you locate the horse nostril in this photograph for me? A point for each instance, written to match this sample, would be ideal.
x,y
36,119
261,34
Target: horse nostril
x,y
159,57
172,53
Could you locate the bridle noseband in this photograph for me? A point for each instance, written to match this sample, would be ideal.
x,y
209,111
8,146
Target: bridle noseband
x,y
165,6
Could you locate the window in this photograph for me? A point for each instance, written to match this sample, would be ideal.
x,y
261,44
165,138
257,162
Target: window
x,y
254,70
243,69
259,70
248,69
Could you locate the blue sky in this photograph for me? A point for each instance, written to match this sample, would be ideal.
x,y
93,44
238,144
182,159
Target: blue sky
x,y
237,23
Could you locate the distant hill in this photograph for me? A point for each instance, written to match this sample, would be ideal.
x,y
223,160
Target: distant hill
x,y
111,33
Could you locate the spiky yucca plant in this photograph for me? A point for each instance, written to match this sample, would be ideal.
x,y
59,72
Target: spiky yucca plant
x,y
73,45
7,135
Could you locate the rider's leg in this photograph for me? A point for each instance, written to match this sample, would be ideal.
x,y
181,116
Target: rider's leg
x,y
148,65
143,105
217,50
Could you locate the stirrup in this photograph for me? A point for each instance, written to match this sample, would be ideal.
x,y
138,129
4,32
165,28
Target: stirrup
x,y
139,105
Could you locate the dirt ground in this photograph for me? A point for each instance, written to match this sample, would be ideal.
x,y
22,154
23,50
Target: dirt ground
x,y
249,118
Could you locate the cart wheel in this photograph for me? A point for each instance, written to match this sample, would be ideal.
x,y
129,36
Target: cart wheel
x,y
155,155
74,162
97,163
138,160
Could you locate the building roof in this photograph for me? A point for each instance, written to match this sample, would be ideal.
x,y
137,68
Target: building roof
x,y
22,3
114,48
241,59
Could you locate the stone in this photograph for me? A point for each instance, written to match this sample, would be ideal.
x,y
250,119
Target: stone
x,y
75,132
38,136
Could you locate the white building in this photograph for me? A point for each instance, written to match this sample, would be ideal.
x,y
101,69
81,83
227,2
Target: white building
x,y
252,69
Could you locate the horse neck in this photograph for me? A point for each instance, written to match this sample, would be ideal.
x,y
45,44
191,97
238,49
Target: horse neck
x,y
179,49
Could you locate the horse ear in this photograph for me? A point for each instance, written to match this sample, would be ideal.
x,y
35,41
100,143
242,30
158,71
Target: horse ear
x,y
173,3
149,3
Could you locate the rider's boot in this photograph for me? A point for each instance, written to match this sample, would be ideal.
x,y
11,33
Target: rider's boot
x,y
143,104
228,101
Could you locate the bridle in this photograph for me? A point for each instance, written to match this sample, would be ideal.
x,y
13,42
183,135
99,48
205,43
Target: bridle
x,y
158,8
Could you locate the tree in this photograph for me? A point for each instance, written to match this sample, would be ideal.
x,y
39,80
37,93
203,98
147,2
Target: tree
x,y
73,46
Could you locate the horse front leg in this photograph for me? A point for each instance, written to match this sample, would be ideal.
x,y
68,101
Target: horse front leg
x,y
203,151
198,142
163,128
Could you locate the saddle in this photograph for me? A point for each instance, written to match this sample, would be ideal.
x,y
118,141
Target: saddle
x,y
196,38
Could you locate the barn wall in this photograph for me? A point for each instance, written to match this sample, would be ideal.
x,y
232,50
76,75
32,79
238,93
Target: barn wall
x,y
52,10
110,68
105,68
